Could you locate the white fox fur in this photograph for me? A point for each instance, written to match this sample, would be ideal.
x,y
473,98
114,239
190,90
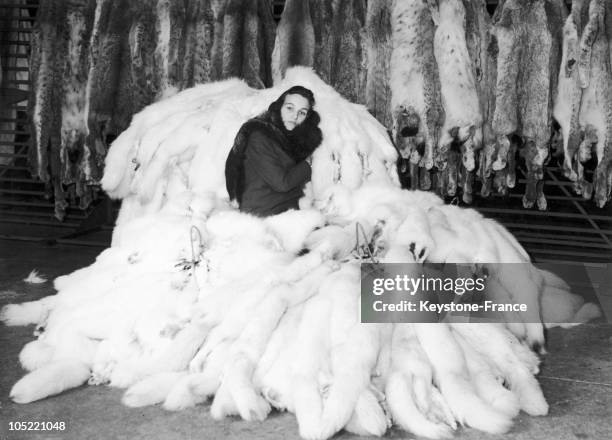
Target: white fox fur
x,y
452,379
408,387
515,361
49,380
32,312
562,308
368,418
154,389
195,299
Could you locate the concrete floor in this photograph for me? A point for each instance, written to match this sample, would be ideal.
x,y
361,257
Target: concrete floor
x,y
576,378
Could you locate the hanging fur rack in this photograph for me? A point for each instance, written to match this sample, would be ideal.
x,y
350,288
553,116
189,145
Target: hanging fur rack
x,y
468,97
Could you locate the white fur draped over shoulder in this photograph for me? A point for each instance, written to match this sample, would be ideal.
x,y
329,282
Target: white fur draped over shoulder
x,y
195,300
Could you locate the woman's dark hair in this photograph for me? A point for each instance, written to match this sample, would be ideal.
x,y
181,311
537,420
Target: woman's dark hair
x,y
295,90
305,137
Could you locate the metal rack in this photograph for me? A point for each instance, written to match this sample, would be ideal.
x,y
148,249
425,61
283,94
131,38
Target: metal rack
x,y
571,230
26,204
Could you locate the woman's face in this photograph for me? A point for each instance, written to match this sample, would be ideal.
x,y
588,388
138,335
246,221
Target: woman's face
x,y
294,110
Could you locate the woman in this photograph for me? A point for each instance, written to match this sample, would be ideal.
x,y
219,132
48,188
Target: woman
x,y
267,166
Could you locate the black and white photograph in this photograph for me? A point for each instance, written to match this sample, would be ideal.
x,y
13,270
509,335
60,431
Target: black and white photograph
x,y
305,219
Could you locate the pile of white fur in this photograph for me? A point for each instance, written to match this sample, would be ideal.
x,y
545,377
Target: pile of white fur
x,y
195,299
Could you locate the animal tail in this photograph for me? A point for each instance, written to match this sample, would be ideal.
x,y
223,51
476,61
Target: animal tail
x,y
250,404
341,401
151,390
468,408
36,354
308,406
368,417
587,312
562,308
405,412
551,279
191,390
50,380
31,312
223,404
527,388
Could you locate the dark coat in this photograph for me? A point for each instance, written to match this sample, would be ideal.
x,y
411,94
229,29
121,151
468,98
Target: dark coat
x,y
273,180
265,169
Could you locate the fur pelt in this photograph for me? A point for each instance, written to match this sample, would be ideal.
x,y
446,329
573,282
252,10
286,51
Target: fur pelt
x,y
259,28
295,39
111,27
463,121
596,105
233,38
377,55
142,40
247,28
463,114
524,95
482,50
46,59
198,40
321,14
79,20
348,69
534,96
414,80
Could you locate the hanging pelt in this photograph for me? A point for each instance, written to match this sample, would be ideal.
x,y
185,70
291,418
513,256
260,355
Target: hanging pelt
x,y
169,51
233,38
125,92
596,106
348,68
79,23
48,54
507,32
525,57
377,52
608,23
327,36
415,85
483,52
321,14
463,122
142,42
46,62
259,31
245,51
198,41
295,39
107,48
569,93
534,96
556,16
482,47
